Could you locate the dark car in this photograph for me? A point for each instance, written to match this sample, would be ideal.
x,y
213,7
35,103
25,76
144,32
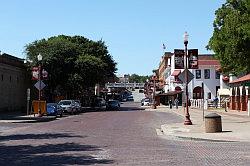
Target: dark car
x,y
113,105
130,98
53,109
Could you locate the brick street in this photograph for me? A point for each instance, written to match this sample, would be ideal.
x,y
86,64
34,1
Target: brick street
x,y
125,137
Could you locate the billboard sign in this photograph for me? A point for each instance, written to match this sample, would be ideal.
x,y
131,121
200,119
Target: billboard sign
x,y
179,58
193,58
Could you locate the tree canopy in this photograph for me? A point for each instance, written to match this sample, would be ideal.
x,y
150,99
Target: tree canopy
x,y
138,78
231,37
73,63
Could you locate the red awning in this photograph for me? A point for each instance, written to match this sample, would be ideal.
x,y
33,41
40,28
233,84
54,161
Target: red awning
x,y
241,79
176,73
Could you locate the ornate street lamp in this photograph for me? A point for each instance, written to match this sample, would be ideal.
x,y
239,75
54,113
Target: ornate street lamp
x,y
187,116
39,58
154,102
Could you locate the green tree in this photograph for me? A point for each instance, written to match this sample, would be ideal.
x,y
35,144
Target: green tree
x,y
138,78
231,37
74,63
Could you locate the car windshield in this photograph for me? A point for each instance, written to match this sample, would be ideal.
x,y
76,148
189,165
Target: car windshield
x,y
64,102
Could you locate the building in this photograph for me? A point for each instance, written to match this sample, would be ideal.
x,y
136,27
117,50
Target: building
x,y
240,93
13,83
204,73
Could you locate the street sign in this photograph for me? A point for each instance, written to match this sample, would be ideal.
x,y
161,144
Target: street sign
x,y
182,76
39,85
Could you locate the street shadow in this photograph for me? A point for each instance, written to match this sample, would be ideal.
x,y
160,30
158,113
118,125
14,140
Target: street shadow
x,y
37,136
51,154
226,131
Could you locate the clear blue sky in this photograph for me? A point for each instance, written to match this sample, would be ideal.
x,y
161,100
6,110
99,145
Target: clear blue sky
x,y
133,30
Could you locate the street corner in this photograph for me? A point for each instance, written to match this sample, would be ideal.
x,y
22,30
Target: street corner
x,y
173,129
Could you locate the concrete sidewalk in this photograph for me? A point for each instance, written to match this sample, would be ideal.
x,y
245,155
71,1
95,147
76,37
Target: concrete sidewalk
x,y
18,117
235,125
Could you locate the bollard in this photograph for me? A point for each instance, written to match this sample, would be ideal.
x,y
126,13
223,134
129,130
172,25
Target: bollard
x,y
213,123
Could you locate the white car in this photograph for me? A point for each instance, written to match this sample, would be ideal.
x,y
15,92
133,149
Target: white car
x,y
145,102
69,106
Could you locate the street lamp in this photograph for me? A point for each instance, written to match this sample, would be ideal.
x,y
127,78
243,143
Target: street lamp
x,y
154,104
187,120
39,58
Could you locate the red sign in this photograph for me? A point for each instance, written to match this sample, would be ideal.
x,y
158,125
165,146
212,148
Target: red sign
x,y
179,58
193,59
35,73
44,74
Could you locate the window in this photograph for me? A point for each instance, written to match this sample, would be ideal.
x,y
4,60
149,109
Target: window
x,y
207,73
2,77
10,78
209,95
197,74
217,75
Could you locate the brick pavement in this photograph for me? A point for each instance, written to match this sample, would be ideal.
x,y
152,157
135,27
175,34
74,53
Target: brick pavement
x,y
235,125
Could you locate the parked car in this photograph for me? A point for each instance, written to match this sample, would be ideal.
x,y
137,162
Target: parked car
x,y
130,98
145,102
100,104
69,106
78,105
113,105
53,109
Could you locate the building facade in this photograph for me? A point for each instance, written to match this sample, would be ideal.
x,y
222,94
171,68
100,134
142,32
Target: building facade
x,y
205,74
13,83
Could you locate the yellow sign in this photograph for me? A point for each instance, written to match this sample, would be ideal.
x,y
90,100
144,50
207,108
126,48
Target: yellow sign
x,y
39,105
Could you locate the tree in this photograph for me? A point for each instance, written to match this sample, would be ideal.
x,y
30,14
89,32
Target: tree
x,y
231,37
138,78
74,63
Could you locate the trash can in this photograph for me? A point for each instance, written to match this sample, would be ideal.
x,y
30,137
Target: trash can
x,y
213,123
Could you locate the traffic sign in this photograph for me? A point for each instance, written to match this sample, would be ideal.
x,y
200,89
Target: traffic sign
x,y
182,76
39,85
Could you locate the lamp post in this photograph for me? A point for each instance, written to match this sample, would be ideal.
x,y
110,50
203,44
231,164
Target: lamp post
x,y
39,58
187,116
147,81
154,104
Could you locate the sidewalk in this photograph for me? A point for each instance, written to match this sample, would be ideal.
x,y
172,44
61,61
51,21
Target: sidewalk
x,y
18,117
235,125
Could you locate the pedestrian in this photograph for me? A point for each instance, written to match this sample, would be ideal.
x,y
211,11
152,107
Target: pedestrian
x,y
216,100
170,104
176,102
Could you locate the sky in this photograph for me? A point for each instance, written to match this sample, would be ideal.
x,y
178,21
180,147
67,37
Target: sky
x,y
133,30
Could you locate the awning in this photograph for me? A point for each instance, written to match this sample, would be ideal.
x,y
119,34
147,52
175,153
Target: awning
x,y
245,78
176,72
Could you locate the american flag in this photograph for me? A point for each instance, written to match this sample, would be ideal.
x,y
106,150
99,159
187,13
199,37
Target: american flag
x,y
163,46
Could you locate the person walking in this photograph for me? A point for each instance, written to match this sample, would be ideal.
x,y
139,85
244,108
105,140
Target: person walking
x,y
176,102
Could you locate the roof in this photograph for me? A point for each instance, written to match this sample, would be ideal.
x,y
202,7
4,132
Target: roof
x,y
241,79
208,62
176,73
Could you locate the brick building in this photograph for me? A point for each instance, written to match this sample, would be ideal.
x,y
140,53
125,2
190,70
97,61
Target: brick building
x,y
13,83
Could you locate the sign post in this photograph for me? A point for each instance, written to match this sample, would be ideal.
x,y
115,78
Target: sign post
x,y
28,100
